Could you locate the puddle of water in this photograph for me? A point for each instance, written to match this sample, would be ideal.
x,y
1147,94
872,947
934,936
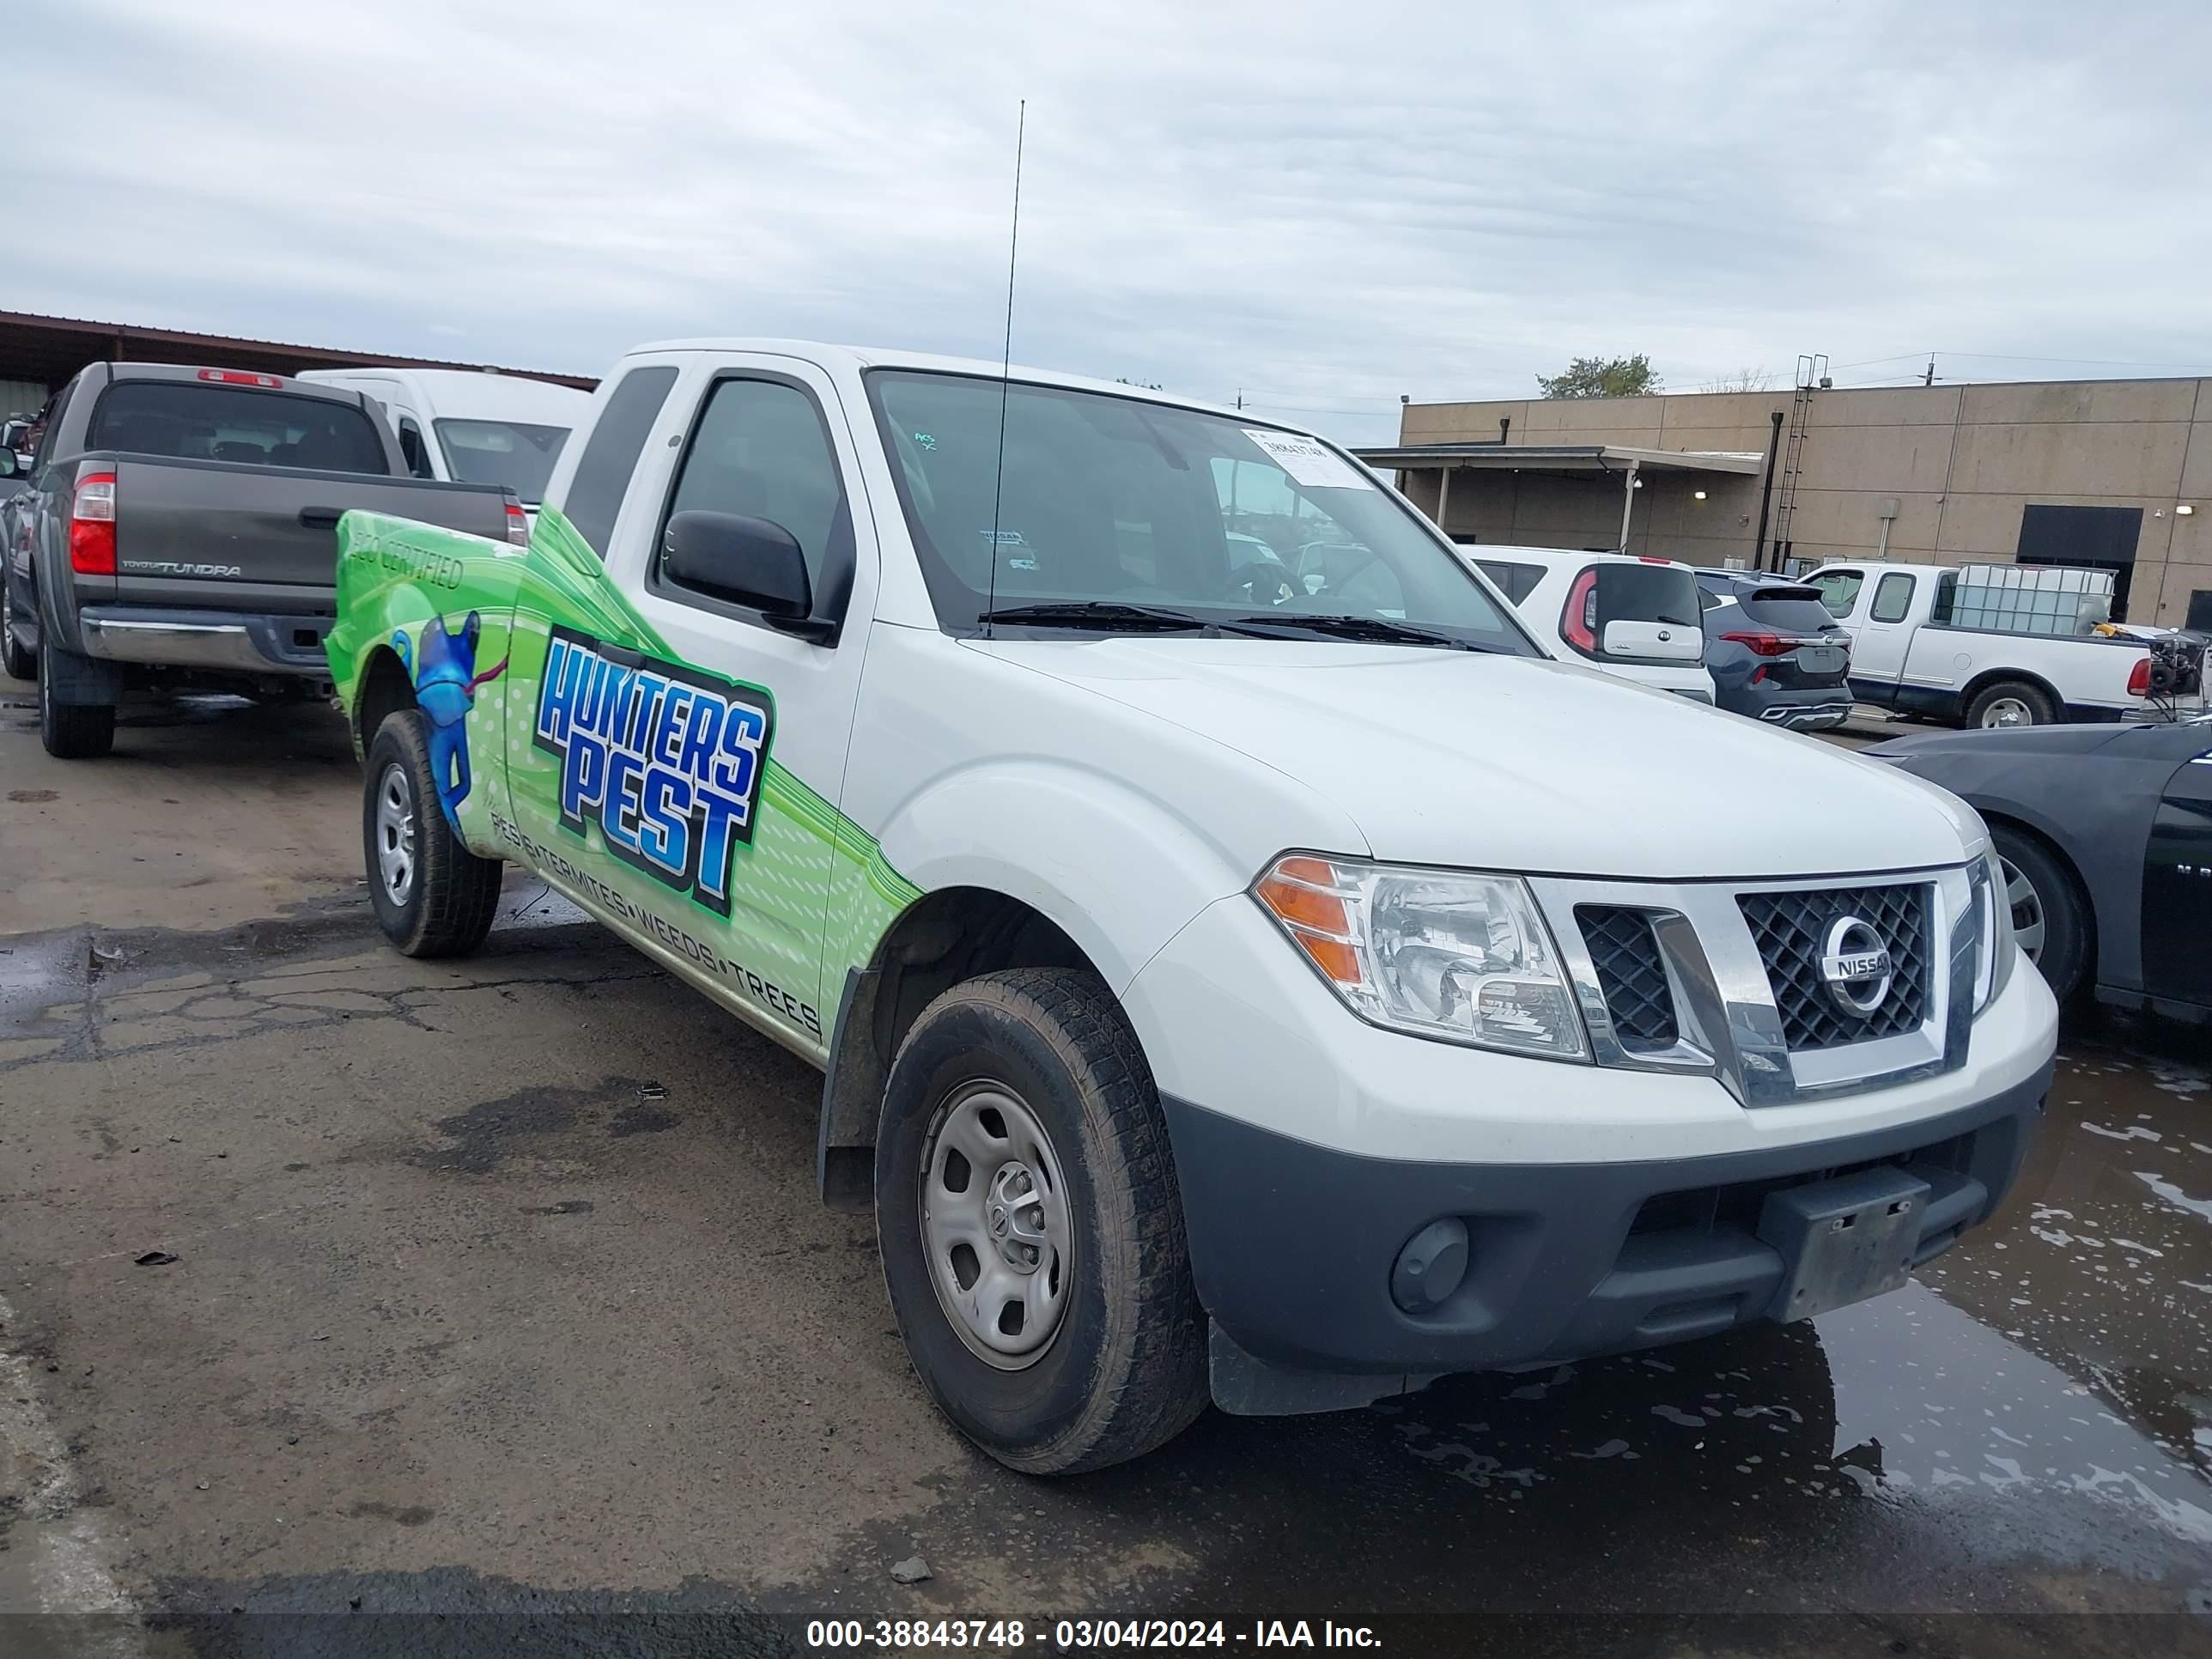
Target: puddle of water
x,y
38,971
1942,1403
2174,1194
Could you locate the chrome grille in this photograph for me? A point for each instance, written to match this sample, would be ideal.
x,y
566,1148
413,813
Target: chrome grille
x,y
1631,973
1789,927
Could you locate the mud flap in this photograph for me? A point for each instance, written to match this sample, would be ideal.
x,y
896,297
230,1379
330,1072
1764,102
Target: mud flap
x,y
1244,1385
76,681
852,1100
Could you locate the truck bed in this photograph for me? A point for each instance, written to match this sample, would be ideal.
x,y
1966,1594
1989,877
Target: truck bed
x,y
225,572
2086,676
262,537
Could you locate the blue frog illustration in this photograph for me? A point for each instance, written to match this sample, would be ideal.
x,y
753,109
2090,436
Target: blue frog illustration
x,y
445,679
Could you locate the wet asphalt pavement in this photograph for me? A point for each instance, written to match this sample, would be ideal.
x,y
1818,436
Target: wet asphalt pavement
x,y
502,1319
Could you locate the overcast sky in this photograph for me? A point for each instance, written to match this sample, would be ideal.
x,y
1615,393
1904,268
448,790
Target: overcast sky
x,y
1324,204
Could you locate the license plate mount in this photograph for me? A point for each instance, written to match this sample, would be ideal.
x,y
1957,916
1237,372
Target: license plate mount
x,y
1821,660
1844,1240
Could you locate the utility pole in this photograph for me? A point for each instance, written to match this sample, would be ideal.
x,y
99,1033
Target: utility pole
x,y
1929,379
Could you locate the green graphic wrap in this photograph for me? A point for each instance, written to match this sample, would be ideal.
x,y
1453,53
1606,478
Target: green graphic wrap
x,y
644,785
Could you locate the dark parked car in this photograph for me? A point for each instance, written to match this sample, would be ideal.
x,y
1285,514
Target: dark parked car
x,y
1774,651
178,532
2105,834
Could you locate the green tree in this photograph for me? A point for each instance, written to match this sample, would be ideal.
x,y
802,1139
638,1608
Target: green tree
x,y
1601,377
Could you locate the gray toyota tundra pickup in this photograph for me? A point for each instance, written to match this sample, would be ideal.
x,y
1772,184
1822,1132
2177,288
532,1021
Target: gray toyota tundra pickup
x,y
177,532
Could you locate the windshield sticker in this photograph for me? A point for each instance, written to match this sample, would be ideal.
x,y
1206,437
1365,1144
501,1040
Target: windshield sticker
x,y
667,760
1307,460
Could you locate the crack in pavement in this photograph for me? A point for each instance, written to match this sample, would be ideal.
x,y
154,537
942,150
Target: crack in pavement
x,y
193,1010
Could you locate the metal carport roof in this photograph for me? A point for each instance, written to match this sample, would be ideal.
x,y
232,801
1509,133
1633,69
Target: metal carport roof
x,y
48,350
1559,458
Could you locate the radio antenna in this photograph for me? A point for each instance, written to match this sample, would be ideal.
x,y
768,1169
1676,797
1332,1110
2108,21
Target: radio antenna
x,y
1005,367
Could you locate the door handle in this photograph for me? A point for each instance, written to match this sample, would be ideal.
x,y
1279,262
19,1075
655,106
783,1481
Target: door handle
x,y
621,656
320,518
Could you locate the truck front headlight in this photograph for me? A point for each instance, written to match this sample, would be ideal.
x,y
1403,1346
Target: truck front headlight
x,y
1438,953
1995,948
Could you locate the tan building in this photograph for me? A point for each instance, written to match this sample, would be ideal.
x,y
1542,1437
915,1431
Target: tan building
x,y
2111,473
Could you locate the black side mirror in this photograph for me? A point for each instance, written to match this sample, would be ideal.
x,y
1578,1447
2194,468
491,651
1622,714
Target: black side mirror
x,y
755,563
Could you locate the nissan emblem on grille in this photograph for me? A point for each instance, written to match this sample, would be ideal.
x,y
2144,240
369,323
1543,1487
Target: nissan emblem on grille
x,y
1854,966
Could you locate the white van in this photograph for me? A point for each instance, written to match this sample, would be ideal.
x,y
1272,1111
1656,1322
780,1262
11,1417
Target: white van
x,y
1636,617
470,426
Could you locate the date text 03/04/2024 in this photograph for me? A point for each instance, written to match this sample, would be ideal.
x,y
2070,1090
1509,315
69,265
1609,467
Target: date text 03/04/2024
x,y
1071,1635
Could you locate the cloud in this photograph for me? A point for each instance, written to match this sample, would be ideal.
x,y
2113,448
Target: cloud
x,y
1322,208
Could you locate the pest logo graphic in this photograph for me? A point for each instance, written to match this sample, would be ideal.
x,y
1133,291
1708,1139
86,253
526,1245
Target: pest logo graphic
x,y
446,679
668,762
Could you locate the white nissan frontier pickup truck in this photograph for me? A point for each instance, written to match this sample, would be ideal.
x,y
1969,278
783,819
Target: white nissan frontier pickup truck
x,y
1230,984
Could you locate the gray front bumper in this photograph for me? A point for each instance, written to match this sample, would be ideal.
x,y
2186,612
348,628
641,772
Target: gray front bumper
x,y
1292,1247
231,641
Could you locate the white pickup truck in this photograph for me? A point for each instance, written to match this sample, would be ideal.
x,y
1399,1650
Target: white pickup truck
x,y
1907,654
1277,992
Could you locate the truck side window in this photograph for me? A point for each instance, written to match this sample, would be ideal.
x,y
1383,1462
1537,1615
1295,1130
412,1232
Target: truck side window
x,y
412,452
51,430
1839,591
760,450
603,472
1892,597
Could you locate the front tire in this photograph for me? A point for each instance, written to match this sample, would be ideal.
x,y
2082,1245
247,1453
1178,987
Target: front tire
x,y
1031,1231
2051,917
432,896
2010,703
70,731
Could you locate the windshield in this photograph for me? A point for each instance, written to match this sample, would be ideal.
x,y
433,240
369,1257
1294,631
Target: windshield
x,y
1113,502
502,452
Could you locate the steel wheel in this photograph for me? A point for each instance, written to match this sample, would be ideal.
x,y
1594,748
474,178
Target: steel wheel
x,y
395,833
994,1225
2027,921
2006,712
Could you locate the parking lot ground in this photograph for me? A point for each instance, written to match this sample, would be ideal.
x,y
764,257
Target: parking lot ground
x,y
502,1317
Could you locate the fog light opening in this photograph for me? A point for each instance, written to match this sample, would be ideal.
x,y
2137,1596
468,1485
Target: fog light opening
x,y
1431,1267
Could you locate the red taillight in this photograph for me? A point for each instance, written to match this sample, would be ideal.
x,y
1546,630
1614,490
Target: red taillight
x,y
2139,678
1578,618
92,526
518,525
1761,643
240,377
